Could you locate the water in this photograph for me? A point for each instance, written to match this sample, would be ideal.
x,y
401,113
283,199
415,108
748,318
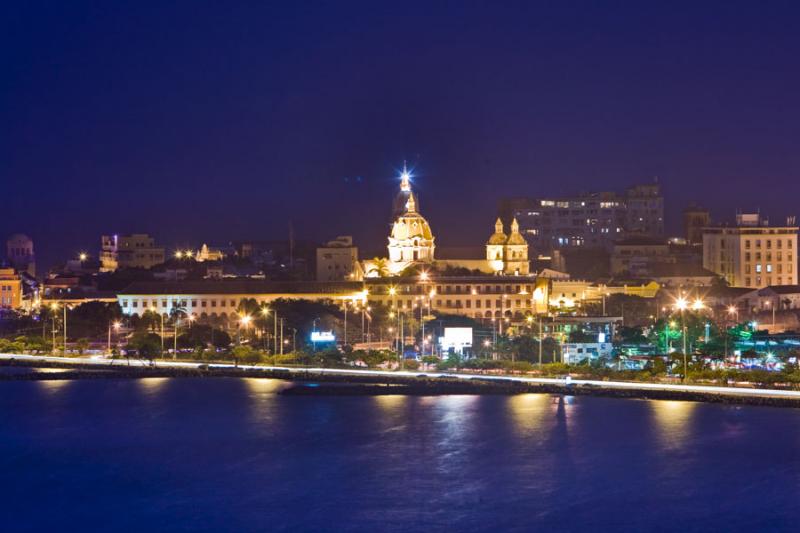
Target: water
x,y
230,454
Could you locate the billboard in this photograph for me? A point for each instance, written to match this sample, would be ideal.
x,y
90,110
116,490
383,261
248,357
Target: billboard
x,y
456,339
323,336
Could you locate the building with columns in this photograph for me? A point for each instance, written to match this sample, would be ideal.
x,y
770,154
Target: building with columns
x,y
479,297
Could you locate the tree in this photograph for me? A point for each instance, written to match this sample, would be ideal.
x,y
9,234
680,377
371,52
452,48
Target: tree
x,y
631,335
91,319
82,345
379,266
146,345
246,354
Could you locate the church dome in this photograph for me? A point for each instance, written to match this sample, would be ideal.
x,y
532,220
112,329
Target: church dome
x,y
410,226
516,239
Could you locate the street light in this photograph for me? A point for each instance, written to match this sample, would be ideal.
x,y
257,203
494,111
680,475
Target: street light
x,y
154,309
244,321
54,308
115,326
681,304
82,257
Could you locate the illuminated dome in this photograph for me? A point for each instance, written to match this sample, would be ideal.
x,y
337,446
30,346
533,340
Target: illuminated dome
x,y
411,239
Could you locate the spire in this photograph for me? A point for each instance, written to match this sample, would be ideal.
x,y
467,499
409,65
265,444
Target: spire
x,y
514,225
411,204
498,226
405,179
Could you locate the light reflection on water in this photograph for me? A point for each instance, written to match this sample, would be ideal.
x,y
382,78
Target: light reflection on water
x,y
53,386
673,421
529,412
234,454
391,403
52,370
152,386
260,387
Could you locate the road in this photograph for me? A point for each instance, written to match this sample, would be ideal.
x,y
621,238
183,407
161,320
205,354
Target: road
x,y
629,385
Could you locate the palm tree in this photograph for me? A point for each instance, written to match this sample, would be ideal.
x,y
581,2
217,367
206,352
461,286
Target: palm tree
x,y
379,266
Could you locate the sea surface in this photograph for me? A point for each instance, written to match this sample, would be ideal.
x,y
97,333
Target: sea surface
x,y
232,455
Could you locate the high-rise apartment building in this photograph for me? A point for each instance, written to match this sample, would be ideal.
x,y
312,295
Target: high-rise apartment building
x,y
590,220
752,253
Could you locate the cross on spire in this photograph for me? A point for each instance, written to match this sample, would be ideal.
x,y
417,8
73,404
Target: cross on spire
x,y
405,179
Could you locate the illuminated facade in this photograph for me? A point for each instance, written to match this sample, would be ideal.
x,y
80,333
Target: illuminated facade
x,y
411,242
480,297
752,253
10,289
411,239
507,254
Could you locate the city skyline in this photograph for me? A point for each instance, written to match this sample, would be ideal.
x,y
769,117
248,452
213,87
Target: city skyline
x,y
216,125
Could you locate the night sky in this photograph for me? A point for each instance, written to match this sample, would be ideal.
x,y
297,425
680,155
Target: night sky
x,y
215,122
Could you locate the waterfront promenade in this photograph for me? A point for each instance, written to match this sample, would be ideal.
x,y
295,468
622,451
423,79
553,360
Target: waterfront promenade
x,y
561,384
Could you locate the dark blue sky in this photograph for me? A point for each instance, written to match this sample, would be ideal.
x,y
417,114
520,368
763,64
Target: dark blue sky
x,y
221,121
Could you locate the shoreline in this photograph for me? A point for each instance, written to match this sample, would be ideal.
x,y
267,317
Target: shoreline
x,y
329,382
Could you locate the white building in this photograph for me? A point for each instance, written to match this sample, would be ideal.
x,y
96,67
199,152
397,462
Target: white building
x,y
578,352
338,260
752,253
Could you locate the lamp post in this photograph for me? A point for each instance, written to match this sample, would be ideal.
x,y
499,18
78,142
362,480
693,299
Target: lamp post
x,y
369,335
345,323
154,309
65,329
54,308
393,294
244,321
681,305
275,333
540,340
431,294
264,313
115,326
733,311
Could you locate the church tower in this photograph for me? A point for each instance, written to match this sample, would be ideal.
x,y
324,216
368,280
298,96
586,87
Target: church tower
x,y
507,254
495,247
516,252
411,238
